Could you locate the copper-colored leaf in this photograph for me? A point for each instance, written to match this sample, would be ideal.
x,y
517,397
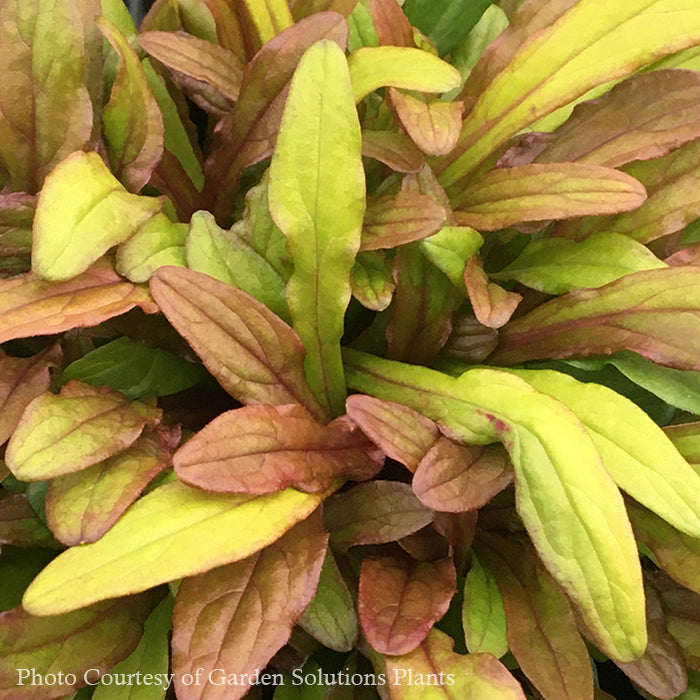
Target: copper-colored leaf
x,y
260,449
255,356
457,478
400,599
237,616
396,219
393,149
392,25
402,433
304,8
19,524
493,306
30,306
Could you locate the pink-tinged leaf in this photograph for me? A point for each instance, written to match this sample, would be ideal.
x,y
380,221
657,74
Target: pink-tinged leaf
x,y
402,433
51,52
132,120
400,600
433,670
629,123
81,646
421,314
538,192
392,25
540,625
433,125
230,32
82,506
30,306
458,529
238,616
304,8
654,313
456,478
685,256
493,306
17,209
254,355
22,379
371,281
261,449
393,149
171,178
60,434
249,133
198,60
425,545
374,513
19,524
678,554
400,218
661,669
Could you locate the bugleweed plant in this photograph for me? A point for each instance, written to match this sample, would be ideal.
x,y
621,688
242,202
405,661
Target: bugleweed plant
x,y
351,349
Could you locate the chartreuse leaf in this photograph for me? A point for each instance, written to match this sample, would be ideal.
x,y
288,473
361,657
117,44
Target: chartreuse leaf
x,y
371,281
653,312
231,620
118,14
451,675
574,515
172,532
132,122
270,17
400,67
686,439
88,641
83,210
46,106
317,198
450,248
560,50
558,265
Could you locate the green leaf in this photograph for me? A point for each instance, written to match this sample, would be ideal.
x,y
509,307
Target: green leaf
x,y
686,439
82,211
653,312
401,67
172,532
317,198
132,122
557,265
18,566
361,31
227,256
371,281
575,516
450,249
483,616
558,51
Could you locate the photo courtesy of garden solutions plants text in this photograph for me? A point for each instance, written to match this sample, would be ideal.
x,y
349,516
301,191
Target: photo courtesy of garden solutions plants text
x,y
350,350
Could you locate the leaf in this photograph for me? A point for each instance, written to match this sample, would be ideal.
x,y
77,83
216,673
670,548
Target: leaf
x,y
237,616
132,122
361,31
82,506
172,532
559,51
254,355
150,658
625,124
557,265
20,526
22,379
684,437
639,457
393,149
82,645
402,433
374,513
414,676
450,249
30,306
54,58
400,218
248,134
371,281
400,67
229,257
317,198
653,312
541,627
269,17
581,527
454,478
483,616
330,616
506,196
262,449
134,370
433,125
392,25
83,211
493,306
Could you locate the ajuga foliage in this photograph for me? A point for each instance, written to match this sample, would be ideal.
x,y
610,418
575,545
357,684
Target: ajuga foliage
x,y
350,349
